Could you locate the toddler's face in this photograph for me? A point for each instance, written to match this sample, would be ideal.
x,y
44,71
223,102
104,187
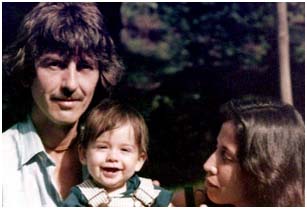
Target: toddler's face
x,y
113,158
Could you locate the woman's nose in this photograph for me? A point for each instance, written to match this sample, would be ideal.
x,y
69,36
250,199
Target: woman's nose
x,y
210,165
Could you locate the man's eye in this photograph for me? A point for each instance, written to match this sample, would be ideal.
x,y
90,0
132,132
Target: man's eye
x,y
55,64
85,65
48,63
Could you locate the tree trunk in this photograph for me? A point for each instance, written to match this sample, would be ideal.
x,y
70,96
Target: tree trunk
x,y
284,58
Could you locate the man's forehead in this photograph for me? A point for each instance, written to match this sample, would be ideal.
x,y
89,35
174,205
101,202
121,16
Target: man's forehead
x,y
60,54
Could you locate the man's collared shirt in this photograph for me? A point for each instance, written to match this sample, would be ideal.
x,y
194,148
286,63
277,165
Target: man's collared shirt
x,y
26,169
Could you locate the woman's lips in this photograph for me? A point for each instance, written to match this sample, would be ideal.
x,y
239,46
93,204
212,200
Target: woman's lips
x,y
211,184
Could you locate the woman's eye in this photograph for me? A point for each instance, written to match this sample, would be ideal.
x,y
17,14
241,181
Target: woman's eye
x,y
225,156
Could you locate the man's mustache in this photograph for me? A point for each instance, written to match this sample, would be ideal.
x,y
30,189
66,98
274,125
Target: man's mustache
x,y
73,97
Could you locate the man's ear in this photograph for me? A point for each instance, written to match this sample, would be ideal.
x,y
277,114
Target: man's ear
x,y
82,154
140,162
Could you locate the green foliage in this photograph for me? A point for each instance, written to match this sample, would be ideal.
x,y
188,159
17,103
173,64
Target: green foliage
x,y
208,35
297,31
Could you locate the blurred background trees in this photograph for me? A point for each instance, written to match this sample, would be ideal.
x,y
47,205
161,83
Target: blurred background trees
x,y
183,60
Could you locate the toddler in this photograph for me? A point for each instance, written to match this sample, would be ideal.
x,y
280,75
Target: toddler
x,y
113,146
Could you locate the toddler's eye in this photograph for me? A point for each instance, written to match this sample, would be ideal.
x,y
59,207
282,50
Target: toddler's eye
x,y
126,150
101,147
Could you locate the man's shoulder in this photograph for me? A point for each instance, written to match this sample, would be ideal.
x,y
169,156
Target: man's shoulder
x,y
10,134
10,141
10,150
17,129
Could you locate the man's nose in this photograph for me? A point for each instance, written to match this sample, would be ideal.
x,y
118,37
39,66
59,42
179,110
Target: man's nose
x,y
70,79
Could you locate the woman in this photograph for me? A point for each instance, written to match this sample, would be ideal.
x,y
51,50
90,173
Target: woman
x,y
259,159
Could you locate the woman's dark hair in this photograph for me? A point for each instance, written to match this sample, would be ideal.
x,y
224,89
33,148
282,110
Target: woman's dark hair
x,y
68,28
271,138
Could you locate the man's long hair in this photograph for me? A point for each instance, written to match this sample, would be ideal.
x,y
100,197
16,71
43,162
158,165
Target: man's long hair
x,y
70,28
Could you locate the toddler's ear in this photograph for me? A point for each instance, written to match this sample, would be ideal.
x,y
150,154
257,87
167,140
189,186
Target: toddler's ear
x,y
140,162
82,155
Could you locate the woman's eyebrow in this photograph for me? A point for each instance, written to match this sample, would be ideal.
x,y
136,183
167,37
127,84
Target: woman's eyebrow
x,y
225,148
229,151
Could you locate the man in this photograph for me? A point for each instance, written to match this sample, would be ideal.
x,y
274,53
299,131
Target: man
x,y
61,63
